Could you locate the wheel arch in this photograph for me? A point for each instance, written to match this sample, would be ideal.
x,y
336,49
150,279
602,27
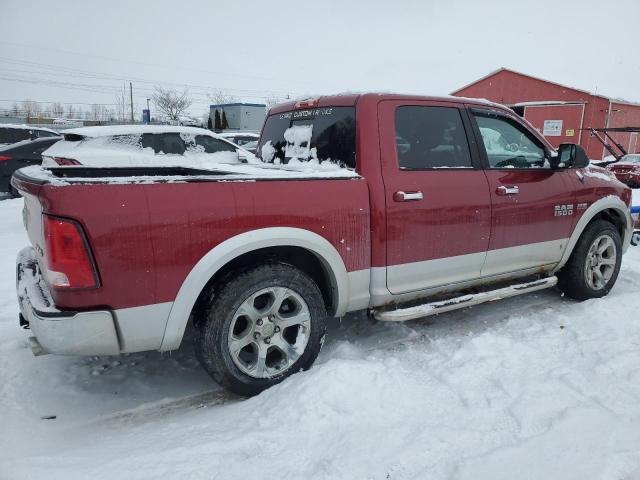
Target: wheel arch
x,y
610,208
298,247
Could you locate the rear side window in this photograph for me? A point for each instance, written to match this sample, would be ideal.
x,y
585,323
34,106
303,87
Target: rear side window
x,y
243,140
175,143
431,137
13,135
317,134
213,145
44,134
170,143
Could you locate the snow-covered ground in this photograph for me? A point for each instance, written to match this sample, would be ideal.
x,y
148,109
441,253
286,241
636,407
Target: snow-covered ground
x,y
534,387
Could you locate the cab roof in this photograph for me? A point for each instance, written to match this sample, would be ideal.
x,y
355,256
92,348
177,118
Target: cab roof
x,y
351,99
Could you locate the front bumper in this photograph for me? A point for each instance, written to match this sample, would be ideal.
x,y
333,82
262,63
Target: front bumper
x,y
59,331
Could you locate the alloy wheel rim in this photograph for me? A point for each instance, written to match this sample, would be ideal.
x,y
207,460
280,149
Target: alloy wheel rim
x,y
269,332
600,262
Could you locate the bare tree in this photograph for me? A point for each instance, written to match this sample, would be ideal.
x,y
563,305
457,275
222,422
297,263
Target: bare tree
x,y
30,108
219,97
71,111
171,102
57,110
122,105
98,112
271,101
15,111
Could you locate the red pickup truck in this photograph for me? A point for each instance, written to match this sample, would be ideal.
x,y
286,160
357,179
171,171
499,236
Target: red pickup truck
x,y
403,205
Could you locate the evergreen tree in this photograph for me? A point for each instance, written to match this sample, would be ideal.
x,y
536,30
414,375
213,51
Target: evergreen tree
x,y
209,124
225,124
217,123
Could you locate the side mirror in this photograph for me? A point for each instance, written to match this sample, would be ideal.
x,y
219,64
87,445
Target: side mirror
x,y
571,155
242,156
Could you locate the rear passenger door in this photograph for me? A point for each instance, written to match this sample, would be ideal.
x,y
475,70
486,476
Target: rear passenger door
x,y
437,196
532,204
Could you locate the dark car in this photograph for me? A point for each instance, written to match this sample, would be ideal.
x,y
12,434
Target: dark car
x,y
21,154
10,133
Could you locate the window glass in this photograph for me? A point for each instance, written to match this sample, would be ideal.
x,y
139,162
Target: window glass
x,y
213,145
431,137
244,140
44,133
318,134
509,145
148,140
13,135
170,143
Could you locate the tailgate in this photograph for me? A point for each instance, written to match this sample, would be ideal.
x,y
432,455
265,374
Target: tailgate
x,y
32,210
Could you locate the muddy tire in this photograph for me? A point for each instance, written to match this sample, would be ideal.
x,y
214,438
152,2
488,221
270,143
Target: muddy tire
x,y
594,264
260,327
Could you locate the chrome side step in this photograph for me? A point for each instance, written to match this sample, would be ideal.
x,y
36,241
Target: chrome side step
x,y
427,309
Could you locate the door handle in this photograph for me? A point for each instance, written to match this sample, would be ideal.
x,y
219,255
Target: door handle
x,y
511,190
407,196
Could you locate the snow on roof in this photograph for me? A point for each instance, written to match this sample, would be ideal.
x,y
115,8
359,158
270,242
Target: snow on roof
x,y
547,102
237,134
108,130
504,69
238,104
23,126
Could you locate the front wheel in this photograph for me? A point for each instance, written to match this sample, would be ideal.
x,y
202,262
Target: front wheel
x,y
262,326
594,265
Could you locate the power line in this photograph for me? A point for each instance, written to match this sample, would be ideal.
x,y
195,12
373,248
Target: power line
x,y
109,76
147,64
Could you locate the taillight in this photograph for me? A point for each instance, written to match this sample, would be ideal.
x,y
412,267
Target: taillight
x,y
307,103
69,261
66,161
4,158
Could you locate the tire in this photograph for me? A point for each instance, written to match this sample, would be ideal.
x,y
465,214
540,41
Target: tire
x,y
263,310
578,279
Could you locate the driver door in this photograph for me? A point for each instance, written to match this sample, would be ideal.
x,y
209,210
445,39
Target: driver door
x,y
532,205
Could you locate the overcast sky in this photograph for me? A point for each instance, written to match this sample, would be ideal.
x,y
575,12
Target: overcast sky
x,y
84,51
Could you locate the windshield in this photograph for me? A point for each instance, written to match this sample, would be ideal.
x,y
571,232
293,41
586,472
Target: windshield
x,y
317,135
631,159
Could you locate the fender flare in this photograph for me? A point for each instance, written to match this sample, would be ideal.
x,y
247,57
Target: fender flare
x,y
238,245
605,203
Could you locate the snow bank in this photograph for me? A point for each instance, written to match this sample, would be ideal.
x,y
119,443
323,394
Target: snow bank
x,y
534,387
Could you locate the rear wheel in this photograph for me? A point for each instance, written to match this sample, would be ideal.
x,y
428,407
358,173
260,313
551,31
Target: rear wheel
x,y
594,265
262,326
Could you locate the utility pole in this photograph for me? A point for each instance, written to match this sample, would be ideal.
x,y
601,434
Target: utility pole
x,y
131,92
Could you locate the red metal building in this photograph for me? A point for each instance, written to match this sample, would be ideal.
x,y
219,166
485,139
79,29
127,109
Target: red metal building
x,y
559,112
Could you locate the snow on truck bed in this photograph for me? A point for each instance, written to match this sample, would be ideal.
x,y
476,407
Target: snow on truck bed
x,y
221,172
530,388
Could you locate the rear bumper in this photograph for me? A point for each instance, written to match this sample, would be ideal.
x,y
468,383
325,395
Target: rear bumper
x,y
58,331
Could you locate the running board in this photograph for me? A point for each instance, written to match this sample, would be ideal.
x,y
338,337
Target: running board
x,y
427,309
